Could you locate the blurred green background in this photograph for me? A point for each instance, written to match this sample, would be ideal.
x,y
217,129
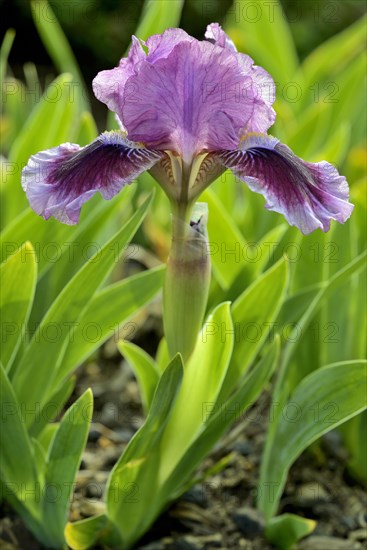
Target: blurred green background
x,y
99,31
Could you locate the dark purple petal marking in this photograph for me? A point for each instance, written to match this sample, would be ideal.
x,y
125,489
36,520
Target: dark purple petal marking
x,y
60,180
308,195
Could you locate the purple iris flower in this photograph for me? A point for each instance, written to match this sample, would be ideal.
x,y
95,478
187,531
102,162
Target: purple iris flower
x,y
188,110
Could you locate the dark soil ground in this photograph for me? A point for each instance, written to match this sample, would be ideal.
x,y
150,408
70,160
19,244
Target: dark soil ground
x,y
219,513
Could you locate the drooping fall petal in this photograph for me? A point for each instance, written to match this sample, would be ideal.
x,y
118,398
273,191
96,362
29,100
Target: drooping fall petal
x,y
309,195
59,181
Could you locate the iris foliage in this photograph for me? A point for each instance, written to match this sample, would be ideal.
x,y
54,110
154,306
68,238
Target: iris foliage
x,y
285,311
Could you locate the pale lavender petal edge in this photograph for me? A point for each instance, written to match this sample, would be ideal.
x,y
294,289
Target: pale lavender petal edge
x,y
309,195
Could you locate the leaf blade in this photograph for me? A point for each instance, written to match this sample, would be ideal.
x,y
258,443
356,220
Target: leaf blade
x,y
18,276
44,353
341,385
62,463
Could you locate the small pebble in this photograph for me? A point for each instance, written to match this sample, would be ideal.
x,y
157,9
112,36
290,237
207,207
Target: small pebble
x,y
124,434
244,448
94,435
249,521
198,494
92,508
109,415
309,494
358,534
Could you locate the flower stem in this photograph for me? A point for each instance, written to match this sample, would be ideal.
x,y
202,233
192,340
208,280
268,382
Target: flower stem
x,y
187,279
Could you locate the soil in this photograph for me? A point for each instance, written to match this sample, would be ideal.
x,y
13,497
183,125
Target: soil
x,y
219,513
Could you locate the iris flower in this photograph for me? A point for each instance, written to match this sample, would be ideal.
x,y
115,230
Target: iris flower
x,y
187,110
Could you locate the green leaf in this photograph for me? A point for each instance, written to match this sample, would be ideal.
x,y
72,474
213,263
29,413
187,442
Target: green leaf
x,y
53,406
323,400
85,533
49,124
355,439
18,276
310,268
254,314
40,364
256,256
282,385
48,237
218,418
285,530
4,52
334,55
87,130
349,303
294,306
15,113
348,106
314,122
157,16
260,28
268,242
46,436
145,369
57,46
226,242
18,470
99,220
62,464
131,489
202,382
109,308
162,356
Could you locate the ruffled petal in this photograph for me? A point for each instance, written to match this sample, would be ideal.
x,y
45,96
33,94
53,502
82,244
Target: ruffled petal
x,y
161,45
259,91
308,195
215,34
109,86
188,96
59,181
200,97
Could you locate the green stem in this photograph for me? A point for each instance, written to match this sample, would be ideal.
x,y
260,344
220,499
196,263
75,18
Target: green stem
x,y
187,279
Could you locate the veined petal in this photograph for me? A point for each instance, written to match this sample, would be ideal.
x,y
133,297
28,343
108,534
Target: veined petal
x,y
308,195
200,97
59,181
108,86
188,96
215,34
161,45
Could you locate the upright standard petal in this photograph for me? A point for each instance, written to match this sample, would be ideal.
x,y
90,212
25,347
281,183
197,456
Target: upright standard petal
x,y
200,97
309,195
188,96
109,85
161,45
216,35
59,181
